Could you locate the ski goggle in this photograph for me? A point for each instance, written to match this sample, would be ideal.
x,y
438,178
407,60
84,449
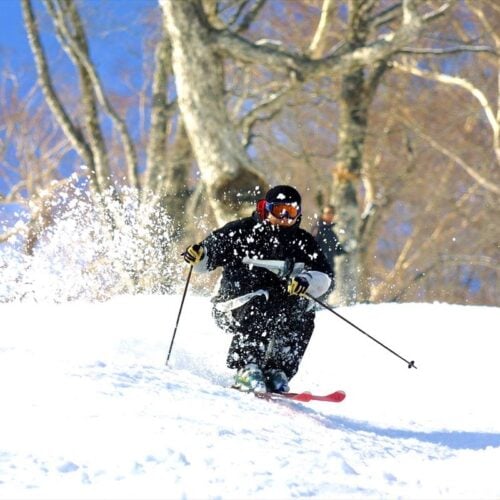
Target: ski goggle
x,y
282,210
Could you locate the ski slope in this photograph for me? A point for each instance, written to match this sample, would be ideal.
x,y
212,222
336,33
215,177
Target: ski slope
x,y
89,410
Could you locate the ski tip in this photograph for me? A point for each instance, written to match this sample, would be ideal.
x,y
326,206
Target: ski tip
x,y
336,396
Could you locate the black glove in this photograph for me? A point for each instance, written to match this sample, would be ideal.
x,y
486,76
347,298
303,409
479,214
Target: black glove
x,y
298,285
194,254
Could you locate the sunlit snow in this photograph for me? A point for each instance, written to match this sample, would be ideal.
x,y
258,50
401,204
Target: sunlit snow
x,y
89,409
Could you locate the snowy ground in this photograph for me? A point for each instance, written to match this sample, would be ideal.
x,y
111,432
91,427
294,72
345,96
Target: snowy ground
x,y
89,410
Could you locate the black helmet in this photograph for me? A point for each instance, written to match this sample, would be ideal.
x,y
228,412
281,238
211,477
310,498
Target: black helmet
x,y
283,194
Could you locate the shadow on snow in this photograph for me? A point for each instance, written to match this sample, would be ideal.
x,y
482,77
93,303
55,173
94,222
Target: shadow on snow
x,y
455,440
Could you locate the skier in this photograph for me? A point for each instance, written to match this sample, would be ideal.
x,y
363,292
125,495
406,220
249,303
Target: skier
x,y
325,236
269,264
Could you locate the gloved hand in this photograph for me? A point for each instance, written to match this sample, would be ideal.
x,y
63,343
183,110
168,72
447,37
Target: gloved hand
x,y
194,254
298,285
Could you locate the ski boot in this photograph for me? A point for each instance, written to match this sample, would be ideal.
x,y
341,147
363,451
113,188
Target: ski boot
x,y
250,379
277,381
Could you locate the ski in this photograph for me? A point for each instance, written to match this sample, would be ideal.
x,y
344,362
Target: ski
x,y
305,397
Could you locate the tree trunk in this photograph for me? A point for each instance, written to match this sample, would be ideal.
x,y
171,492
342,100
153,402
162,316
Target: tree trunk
x,y
226,170
72,132
90,112
357,90
346,177
175,192
72,36
157,143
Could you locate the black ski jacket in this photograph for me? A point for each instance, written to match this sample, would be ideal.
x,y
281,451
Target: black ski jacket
x,y
250,237
327,240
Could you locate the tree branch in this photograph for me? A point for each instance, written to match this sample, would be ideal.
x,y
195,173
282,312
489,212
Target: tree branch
x,y
475,92
450,50
386,16
272,56
318,45
58,9
84,60
72,132
480,180
472,260
251,15
270,105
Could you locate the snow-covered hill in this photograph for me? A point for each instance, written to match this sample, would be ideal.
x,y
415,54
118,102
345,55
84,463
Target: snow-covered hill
x,y
89,410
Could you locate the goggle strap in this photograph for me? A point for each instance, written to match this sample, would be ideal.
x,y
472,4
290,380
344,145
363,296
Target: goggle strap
x,y
262,209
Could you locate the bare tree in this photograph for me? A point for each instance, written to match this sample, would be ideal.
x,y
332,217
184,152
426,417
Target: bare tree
x,y
33,149
226,169
371,40
387,109
94,161
449,183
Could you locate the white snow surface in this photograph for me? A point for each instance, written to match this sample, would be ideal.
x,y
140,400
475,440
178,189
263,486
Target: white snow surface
x,y
89,410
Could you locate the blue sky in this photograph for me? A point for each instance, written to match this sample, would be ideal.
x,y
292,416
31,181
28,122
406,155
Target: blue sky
x,y
107,20
14,49
106,23
15,52
12,34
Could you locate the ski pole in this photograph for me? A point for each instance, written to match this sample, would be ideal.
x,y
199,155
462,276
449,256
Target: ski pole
x,y
411,364
179,315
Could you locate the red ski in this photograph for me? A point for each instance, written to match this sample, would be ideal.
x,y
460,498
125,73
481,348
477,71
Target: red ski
x,y
305,397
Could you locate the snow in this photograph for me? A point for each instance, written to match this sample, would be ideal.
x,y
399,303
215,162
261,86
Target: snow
x,y
89,409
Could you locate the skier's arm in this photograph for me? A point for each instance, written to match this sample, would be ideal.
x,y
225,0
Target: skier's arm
x,y
318,275
195,255
314,283
219,245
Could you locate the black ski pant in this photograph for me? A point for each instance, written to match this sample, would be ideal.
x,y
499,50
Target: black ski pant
x,y
272,333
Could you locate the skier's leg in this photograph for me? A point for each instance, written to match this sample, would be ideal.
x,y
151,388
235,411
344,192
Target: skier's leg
x,y
251,326
294,329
